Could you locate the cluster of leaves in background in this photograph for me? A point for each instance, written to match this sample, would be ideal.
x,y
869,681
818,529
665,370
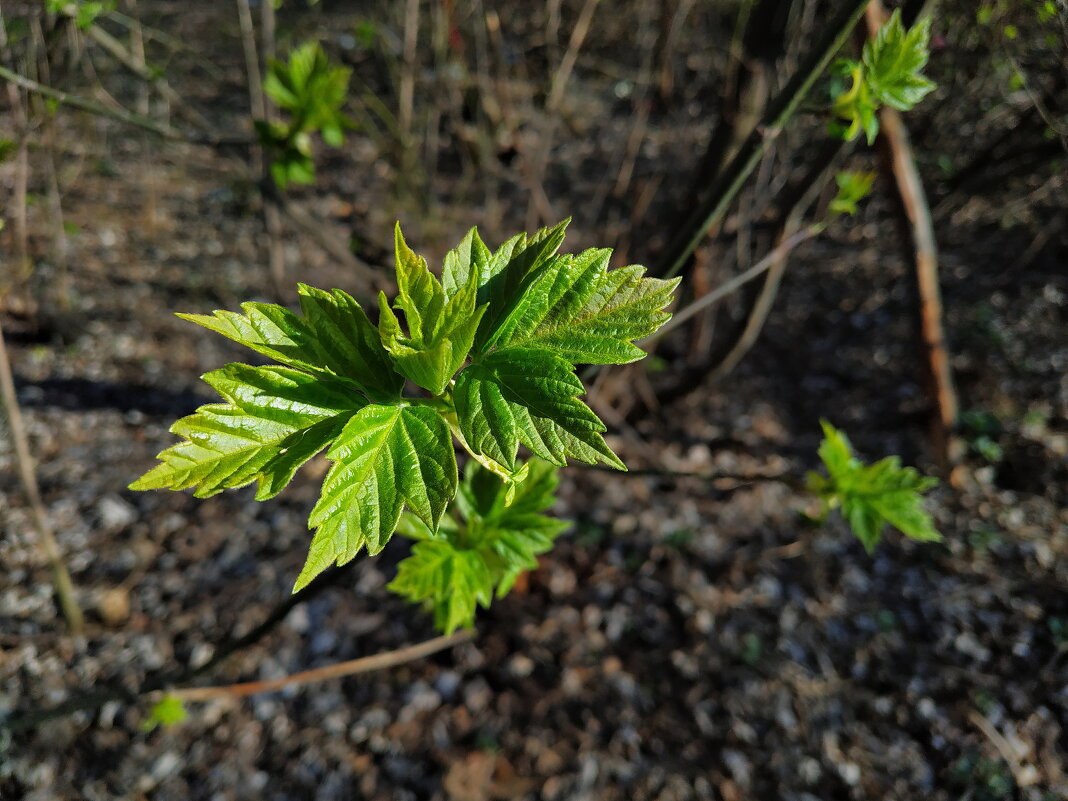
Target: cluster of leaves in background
x,y
870,497
888,74
311,90
492,346
168,711
84,12
853,187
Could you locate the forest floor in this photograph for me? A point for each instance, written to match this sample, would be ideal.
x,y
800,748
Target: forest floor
x,y
693,637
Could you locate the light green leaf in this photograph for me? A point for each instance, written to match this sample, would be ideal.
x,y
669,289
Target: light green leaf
x,y
274,421
528,396
507,276
451,581
481,552
470,256
168,711
587,314
385,458
334,338
893,61
852,188
510,531
440,328
872,496
855,106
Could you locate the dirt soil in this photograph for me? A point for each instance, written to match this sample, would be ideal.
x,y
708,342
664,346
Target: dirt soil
x,y
693,637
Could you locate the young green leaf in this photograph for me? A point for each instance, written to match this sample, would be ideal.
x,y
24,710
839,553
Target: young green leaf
x,y
274,421
451,581
528,396
385,458
507,276
872,496
338,386
333,338
470,256
168,711
852,188
464,564
585,313
512,532
893,61
440,328
855,106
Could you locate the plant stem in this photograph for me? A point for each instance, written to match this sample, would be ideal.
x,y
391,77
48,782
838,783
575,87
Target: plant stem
x,y
46,539
796,206
85,104
364,664
925,258
778,113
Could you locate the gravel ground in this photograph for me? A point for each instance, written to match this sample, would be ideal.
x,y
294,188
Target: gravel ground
x,y
693,637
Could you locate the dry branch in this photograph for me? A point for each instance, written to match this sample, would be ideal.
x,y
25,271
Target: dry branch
x,y
364,664
779,111
46,538
925,254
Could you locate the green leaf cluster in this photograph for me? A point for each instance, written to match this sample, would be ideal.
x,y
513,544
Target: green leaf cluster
x,y
889,73
311,90
83,12
853,187
870,497
168,711
490,349
493,533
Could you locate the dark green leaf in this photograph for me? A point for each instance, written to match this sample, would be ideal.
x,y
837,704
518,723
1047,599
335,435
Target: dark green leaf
x,y
509,273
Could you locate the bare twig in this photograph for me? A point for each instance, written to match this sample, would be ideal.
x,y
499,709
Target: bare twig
x,y
735,283
406,93
22,160
779,111
260,111
365,664
809,187
92,106
55,198
1024,773
46,539
914,201
136,64
539,205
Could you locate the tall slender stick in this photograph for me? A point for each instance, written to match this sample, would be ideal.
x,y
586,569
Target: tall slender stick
x,y
540,206
272,223
925,256
46,539
733,285
22,162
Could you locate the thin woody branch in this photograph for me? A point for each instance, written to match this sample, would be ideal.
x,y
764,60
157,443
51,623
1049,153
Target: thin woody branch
x,y
365,664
